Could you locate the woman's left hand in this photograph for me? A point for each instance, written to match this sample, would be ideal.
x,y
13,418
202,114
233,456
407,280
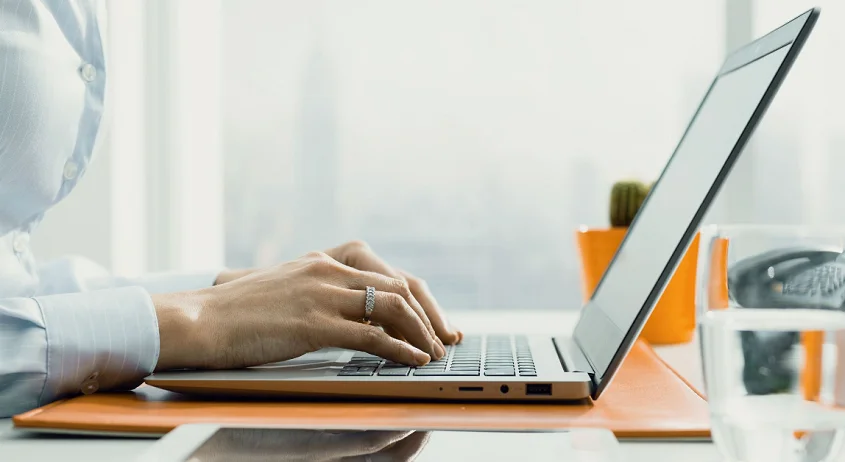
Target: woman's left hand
x,y
360,256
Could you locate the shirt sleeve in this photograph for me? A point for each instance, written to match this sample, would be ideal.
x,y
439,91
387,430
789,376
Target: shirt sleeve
x,y
56,346
83,331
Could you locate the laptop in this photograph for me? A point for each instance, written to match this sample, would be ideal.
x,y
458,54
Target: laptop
x,y
581,365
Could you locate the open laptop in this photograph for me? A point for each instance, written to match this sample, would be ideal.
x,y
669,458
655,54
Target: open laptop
x,y
515,367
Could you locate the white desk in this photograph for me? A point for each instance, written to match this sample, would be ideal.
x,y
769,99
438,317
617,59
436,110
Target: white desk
x,y
20,446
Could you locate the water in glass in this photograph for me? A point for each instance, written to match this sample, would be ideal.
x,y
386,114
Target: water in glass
x,y
775,381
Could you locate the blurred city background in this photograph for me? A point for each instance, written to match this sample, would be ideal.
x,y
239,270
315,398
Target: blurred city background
x,y
466,141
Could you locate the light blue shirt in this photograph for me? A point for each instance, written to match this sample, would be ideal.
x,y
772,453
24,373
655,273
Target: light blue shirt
x,y
66,326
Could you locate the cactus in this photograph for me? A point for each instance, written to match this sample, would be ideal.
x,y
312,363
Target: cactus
x,y
626,197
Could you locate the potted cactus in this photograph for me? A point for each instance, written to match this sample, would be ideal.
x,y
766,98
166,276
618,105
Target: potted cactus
x,y
673,319
626,197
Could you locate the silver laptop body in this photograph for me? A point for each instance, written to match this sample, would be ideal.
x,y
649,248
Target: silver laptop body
x,y
515,367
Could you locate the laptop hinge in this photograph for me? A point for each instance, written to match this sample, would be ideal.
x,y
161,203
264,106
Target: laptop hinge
x,y
571,357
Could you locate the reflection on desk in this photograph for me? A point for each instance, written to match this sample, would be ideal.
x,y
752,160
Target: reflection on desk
x,y
257,444
214,444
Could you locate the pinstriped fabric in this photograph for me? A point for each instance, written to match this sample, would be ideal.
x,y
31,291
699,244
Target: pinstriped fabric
x,y
101,338
66,327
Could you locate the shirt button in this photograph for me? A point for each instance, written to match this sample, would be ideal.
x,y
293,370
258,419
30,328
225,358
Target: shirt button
x,y
21,242
90,385
71,170
88,72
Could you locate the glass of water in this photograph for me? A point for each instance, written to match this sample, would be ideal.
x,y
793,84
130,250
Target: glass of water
x,y
771,311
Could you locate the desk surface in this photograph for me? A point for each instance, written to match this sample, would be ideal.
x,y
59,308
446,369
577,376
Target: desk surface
x,y
19,446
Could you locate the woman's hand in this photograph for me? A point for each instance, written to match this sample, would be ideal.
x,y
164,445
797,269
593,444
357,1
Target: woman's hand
x,y
358,254
291,309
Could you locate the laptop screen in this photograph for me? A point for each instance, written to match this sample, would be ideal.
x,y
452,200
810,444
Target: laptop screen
x,y
670,216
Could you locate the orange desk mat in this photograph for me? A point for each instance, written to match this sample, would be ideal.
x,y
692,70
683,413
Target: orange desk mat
x,y
647,399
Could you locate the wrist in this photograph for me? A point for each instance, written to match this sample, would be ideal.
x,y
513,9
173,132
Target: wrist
x,y
180,338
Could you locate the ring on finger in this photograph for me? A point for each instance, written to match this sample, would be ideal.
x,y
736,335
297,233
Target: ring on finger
x,y
370,304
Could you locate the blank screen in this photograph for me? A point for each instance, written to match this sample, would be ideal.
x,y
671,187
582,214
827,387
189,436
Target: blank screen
x,y
673,203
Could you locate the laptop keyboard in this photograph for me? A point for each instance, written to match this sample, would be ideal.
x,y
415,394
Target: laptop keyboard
x,y
492,356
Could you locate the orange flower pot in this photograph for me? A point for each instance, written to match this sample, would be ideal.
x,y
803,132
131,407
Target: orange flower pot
x,y
673,319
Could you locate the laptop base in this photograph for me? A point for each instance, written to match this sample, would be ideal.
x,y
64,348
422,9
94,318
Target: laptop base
x,y
320,375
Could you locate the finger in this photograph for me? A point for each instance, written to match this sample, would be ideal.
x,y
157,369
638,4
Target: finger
x,y
359,280
370,339
392,311
394,333
360,256
421,292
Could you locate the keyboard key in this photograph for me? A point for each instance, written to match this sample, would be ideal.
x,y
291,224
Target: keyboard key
x,y
395,371
499,372
355,373
528,374
419,372
499,355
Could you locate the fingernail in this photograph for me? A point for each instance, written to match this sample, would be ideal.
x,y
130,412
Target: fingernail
x,y
420,357
438,347
434,350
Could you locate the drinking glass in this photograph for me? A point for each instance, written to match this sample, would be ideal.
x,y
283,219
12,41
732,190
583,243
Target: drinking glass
x,y
769,302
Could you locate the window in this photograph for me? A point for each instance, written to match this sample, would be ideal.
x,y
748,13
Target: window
x,y
465,141
800,152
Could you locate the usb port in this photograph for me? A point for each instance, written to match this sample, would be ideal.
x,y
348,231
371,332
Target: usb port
x,y
538,389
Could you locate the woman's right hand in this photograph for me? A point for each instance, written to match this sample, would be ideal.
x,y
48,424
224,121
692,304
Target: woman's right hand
x,y
288,310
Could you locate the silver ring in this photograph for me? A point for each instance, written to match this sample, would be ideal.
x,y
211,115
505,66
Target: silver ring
x,y
370,305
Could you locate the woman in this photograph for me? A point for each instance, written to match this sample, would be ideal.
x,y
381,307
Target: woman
x,y
63,332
